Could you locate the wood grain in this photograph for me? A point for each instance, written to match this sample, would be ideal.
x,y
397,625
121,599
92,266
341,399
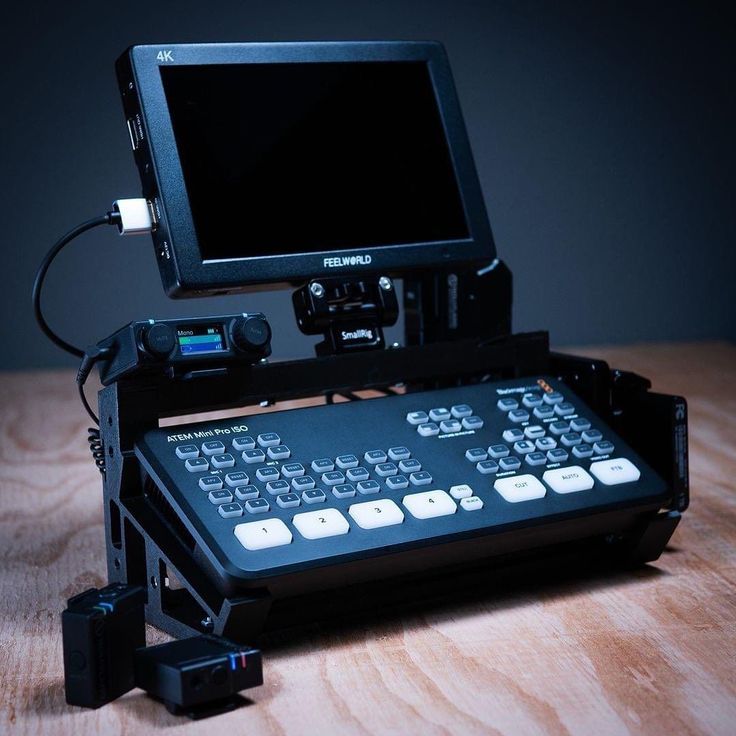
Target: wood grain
x,y
651,651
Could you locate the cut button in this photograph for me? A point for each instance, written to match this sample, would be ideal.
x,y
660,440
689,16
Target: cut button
x,y
520,488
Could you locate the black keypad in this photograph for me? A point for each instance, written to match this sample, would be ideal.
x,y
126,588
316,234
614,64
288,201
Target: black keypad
x,y
345,490
367,487
356,474
254,456
323,465
487,466
220,497
386,469
275,487
314,496
410,466
346,461
246,492
213,447
210,483
288,500
230,510
268,473
509,463
237,479
184,452
422,478
257,506
243,443
303,483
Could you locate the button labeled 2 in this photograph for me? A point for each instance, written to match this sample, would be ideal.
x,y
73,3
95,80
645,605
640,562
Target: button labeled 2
x,y
320,524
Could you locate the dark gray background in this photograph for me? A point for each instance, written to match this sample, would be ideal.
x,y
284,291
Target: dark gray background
x,y
603,135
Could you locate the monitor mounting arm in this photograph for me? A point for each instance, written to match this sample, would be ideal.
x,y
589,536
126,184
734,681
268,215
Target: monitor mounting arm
x,y
350,313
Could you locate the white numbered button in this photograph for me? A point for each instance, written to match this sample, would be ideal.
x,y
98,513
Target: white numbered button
x,y
429,504
472,503
257,535
568,480
520,488
375,514
613,472
461,491
319,524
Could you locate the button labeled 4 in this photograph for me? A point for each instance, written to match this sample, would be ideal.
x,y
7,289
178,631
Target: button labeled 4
x,y
429,504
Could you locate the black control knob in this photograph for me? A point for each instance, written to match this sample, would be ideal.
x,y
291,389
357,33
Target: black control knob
x,y
250,333
159,339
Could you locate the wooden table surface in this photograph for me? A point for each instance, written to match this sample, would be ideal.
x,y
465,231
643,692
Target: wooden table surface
x,y
651,651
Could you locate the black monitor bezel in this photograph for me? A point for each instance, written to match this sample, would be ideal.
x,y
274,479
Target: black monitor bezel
x,y
189,275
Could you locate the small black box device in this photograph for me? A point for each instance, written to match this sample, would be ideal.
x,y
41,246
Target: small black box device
x,y
200,671
101,630
184,346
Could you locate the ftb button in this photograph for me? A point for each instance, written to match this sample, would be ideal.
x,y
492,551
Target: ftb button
x,y
613,472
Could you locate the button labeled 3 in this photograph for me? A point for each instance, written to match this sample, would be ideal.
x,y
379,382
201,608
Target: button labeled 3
x,y
375,514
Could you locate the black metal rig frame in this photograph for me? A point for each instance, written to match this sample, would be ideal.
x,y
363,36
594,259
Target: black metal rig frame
x,y
457,331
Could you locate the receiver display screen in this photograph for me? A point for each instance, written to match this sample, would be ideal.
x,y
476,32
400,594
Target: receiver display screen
x,y
298,158
198,339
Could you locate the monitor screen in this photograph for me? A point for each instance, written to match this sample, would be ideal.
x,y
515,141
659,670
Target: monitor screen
x,y
287,158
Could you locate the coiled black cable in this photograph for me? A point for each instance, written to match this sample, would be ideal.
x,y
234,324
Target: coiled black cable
x,y
96,448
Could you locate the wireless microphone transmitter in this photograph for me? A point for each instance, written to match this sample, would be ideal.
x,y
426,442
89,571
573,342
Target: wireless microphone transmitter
x,y
200,676
101,629
178,347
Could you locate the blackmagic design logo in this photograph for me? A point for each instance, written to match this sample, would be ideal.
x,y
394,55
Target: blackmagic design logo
x,y
338,261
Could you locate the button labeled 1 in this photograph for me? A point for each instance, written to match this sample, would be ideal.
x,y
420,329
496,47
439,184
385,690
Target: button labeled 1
x,y
520,488
568,480
375,514
320,524
257,535
613,472
429,504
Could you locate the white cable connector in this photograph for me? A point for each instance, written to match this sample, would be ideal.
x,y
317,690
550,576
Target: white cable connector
x,y
136,216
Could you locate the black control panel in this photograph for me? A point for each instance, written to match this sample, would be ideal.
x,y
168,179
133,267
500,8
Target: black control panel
x,y
185,347
281,492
